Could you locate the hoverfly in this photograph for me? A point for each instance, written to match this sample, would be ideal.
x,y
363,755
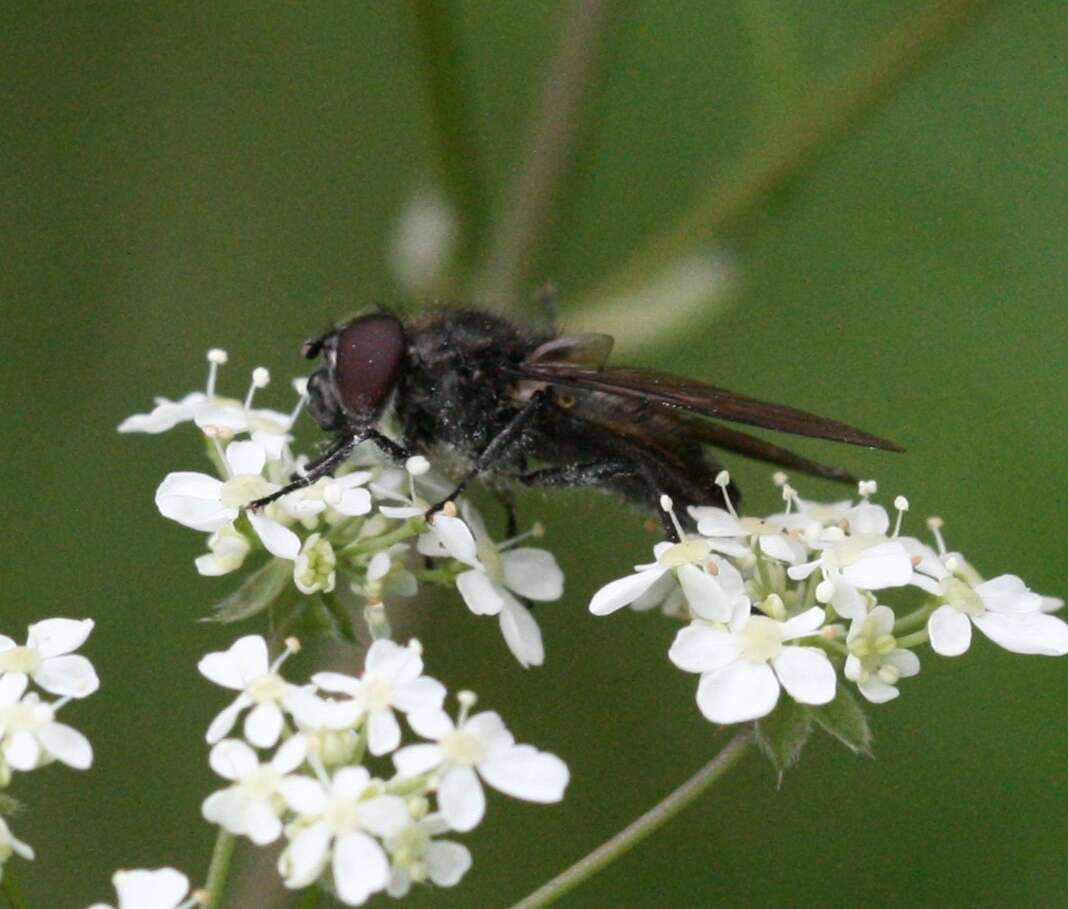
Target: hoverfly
x,y
510,405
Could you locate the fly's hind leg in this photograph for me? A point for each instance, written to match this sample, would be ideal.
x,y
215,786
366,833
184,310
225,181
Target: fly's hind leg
x,y
600,473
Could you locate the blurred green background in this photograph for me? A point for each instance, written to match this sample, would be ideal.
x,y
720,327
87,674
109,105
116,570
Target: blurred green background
x,y
181,176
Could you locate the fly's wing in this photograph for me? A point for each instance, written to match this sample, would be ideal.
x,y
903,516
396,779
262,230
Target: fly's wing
x,y
751,447
697,397
589,350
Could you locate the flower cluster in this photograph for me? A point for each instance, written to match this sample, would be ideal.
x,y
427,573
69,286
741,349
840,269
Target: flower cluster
x,y
355,822
30,735
357,538
782,603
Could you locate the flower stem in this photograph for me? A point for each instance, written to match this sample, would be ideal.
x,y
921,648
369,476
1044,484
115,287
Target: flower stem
x,y
10,889
219,869
915,619
913,640
648,823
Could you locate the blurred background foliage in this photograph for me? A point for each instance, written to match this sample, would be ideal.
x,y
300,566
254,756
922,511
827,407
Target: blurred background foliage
x,y
181,176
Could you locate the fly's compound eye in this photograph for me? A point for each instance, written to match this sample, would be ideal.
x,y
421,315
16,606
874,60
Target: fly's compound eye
x,y
370,354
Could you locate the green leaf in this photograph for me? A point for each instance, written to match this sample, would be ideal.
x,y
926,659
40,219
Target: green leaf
x,y
256,594
846,721
782,734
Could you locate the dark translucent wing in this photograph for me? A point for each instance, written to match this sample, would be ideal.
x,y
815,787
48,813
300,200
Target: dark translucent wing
x,y
752,447
588,350
707,400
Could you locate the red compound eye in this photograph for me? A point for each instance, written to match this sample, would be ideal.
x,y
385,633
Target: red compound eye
x,y
370,353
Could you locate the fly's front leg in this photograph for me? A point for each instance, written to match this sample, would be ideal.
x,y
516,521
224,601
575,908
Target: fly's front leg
x,y
338,452
497,447
389,448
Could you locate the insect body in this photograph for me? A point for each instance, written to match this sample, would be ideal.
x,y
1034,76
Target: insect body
x,y
512,405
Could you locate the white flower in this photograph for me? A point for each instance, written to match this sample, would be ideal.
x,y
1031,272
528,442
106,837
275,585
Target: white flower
x,y
165,415
205,503
228,550
711,586
417,857
343,496
392,679
11,845
1004,609
251,807
479,747
164,888
48,658
875,662
29,734
314,569
496,574
742,668
722,527
245,668
335,828
850,564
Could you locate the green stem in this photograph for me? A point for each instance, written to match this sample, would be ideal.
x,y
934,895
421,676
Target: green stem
x,y
914,619
913,640
219,869
10,889
407,530
453,121
733,204
648,823
310,899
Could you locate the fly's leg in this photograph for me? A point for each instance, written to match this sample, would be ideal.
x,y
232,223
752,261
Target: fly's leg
x,y
338,452
389,448
497,447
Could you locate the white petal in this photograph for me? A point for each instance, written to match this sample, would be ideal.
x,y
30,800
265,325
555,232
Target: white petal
x,y
304,860
698,648
781,547
521,633
885,565
806,674
624,591
337,682
461,799
277,540
904,661
876,690
246,659
447,862
950,631
523,772
867,518
1051,604
1008,594
360,868
245,457
848,601
1030,633
716,522
67,675
392,662
479,592
165,415
353,502
413,760
232,759
533,573
702,591
263,725
455,536
384,733
738,692
431,724
54,637
192,499
290,755
12,687
222,724
303,794
384,815
66,745
419,694
800,625
262,825
349,783
22,750
164,888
